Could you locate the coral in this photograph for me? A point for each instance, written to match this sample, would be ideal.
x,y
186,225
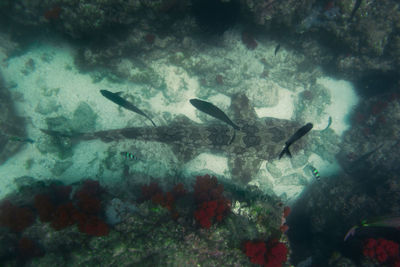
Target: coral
x,y
211,203
272,254
91,224
207,188
44,207
249,41
276,254
167,200
210,210
256,252
148,191
15,218
381,249
27,249
63,216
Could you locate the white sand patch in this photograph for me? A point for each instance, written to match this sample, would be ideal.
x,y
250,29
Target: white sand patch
x,y
206,163
283,110
343,99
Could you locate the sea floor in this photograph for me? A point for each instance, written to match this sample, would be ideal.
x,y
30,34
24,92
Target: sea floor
x,y
45,83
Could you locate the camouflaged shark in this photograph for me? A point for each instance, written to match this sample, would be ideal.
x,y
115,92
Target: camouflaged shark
x,y
259,139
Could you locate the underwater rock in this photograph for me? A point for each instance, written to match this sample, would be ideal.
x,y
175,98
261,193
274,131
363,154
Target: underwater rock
x,y
117,210
10,125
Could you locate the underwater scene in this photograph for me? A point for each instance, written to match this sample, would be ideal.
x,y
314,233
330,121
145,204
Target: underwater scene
x,y
200,133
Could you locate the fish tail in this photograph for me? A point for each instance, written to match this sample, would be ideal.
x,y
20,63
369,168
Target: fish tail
x,y
285,151
152,122
75,137
233,137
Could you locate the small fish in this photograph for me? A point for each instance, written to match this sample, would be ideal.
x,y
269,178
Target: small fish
x,y
213,111
329,124
114,97
355,8
377,222
129,155
296,136
315,173
20,139
277,48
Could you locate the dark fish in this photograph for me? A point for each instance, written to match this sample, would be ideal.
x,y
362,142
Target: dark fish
x,y
355,8
296,136
20,139
277,48
329,123
378,222
213,111
129,155
114,97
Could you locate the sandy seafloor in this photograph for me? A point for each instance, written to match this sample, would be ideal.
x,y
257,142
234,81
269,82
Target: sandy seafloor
x,y
56,84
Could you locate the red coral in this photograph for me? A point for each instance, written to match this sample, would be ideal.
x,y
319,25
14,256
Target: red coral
x,y
276,254
207,188
248,40
53,13
381,249
148,191
286,211
63,216
45,207
14,217
27,249
271,255
211,203
91,225
256,252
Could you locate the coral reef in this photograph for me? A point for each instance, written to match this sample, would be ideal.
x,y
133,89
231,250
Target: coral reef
x,y
156,229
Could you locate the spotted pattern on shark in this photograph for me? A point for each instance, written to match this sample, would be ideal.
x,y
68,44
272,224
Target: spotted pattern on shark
x,y
259,138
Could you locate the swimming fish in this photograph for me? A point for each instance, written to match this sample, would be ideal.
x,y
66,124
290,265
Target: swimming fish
x,y
20,139
315,173
114,97
277,48
355,8
213,111
258,140
377,222
329,124
129,155
296,136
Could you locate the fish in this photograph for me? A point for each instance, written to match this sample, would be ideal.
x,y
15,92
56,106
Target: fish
x,y
259,139
20,139
315,173
114,97
329,124
129,155
213,111
277,48
296,136
387,221
355,8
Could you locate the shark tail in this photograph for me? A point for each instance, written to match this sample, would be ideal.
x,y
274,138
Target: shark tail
x,y
74,137
285,151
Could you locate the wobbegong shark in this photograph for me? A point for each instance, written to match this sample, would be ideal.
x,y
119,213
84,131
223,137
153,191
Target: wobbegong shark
x,y
259,139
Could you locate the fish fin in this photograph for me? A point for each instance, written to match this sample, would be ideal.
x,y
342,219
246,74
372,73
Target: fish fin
x,y
233,137
119,93
285,151
152,122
